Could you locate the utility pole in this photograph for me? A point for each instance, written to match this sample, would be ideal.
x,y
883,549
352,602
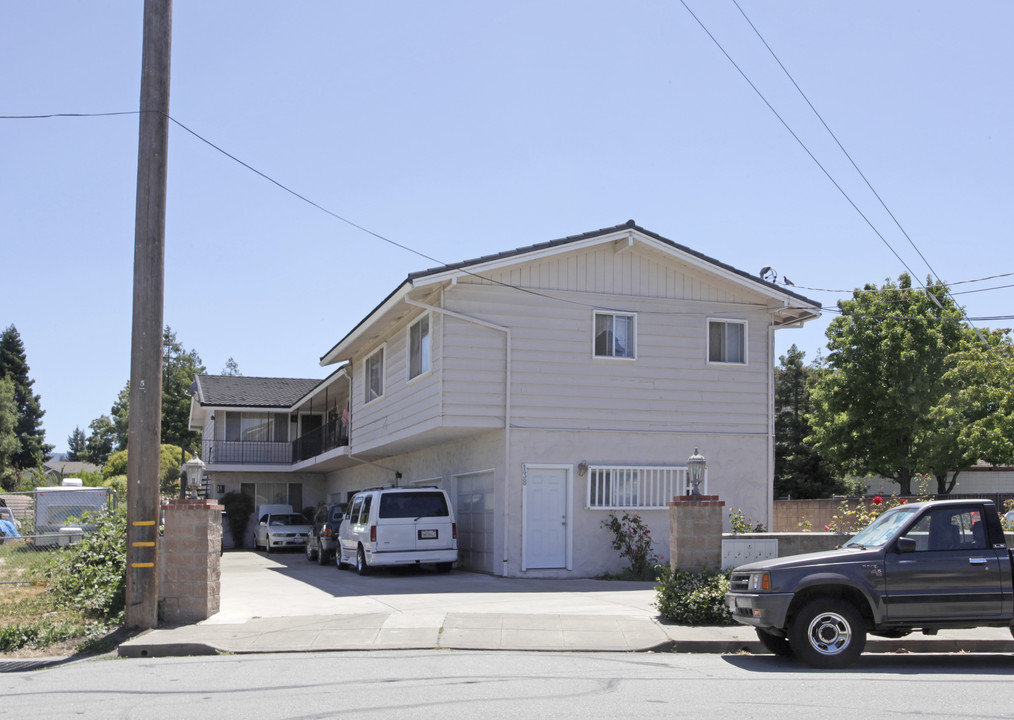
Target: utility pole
x,y
145,426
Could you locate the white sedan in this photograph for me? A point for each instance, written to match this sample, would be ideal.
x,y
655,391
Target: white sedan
x,y
281,530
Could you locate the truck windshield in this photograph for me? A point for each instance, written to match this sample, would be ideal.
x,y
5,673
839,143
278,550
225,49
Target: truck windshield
x,y
883,528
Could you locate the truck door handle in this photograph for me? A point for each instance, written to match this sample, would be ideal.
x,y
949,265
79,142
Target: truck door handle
x,y
977,561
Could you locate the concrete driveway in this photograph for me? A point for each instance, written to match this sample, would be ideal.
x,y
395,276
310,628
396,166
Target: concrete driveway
x,y
256,585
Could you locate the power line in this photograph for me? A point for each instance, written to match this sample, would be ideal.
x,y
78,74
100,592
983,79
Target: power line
x,y
366,230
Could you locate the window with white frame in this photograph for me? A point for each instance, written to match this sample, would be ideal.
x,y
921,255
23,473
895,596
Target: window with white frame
x,y
727,341
373,375
419,347
614,335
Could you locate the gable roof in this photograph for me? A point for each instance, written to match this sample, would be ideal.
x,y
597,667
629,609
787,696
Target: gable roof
x,y
491,261
242,391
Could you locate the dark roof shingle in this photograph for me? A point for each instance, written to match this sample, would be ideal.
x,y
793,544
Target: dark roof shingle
x,y
242,391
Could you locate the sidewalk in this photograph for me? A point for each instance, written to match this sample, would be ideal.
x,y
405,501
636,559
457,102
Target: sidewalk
x,y
282,603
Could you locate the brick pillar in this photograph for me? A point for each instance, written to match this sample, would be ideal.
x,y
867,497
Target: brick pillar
x,y
695,532
191,561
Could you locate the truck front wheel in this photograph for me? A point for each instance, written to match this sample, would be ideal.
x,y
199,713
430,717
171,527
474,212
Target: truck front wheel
x,y
828,633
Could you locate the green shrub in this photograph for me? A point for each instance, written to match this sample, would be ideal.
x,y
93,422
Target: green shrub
x,y
688,597
41,633
94,576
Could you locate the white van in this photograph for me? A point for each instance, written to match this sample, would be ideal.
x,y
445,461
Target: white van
x,y
398,526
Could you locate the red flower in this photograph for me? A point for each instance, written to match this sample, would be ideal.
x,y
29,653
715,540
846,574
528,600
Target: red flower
x,y
902,501
877,500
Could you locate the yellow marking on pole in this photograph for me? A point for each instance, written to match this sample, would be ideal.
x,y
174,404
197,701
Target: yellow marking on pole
x,y
142,565
139,523
143,544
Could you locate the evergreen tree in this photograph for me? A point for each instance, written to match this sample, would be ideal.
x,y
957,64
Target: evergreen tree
x,y
231,368
101,441
120,419
179,368
76,451
9,444
32,449
799,471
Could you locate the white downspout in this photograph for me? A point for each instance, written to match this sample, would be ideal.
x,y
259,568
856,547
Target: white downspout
x,y
771,430
507,410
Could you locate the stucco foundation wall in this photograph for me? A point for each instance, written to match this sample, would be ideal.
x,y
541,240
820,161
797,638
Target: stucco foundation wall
x,y
438,464
737,473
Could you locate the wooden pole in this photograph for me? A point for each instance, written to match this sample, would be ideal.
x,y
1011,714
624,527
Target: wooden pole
x,y
145,425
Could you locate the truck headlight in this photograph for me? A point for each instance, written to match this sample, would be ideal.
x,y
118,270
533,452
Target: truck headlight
x,y
760,581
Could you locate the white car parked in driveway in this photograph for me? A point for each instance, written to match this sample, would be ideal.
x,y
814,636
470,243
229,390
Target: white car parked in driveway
x,y
281,530
398,526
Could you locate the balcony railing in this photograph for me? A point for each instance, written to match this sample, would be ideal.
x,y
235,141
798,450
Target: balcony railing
x,y
225,452
316,442
332,435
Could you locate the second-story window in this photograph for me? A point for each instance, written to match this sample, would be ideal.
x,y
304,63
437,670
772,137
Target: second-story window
x,y
614,335
419,347
727,341
374,375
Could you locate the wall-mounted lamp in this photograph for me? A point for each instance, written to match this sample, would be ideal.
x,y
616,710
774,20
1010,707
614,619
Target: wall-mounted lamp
x,y
582,468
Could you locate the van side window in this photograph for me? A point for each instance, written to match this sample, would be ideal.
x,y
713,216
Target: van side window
x,y
364,514
357,505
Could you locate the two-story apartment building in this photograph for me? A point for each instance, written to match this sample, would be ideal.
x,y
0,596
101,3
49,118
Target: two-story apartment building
x,y
543,387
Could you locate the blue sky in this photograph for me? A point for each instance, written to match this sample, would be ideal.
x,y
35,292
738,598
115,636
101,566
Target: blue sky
x,y
460,129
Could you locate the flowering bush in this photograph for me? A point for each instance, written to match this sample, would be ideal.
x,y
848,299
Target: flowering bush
x,y
633,539
740,524
692,598
852,519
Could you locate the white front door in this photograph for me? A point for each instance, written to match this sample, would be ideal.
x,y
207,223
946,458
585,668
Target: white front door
x,y
546,517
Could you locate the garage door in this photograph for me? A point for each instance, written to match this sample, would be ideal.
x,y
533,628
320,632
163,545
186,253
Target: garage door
x,y
474,514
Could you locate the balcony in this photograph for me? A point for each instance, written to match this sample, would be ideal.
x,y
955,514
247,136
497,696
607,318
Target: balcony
x,y
316,442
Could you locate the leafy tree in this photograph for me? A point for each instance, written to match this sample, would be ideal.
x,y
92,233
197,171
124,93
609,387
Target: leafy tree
x,y
169,463
884,374
32,449
979,408
102,440
799,470
76,450
9,444
231,368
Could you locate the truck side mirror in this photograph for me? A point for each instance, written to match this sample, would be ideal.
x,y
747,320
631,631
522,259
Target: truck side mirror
x,y
905,545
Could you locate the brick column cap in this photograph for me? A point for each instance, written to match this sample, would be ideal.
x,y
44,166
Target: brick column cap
x,y
697,501
192,504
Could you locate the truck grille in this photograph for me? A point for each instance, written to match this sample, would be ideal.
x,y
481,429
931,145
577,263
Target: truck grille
x,y
740,582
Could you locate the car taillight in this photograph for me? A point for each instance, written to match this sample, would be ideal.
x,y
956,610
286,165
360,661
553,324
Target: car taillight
x,y
373,533
327,531
454,531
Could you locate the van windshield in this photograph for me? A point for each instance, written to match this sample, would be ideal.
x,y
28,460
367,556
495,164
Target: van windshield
x,y
413,505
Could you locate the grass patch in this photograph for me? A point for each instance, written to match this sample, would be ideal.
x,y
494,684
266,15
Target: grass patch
x,y
31,621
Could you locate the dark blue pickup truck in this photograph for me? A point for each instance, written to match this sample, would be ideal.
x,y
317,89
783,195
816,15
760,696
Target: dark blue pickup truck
x,y
921,566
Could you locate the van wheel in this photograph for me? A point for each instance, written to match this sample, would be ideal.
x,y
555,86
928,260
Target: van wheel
x,y
361,567
444,567
828,633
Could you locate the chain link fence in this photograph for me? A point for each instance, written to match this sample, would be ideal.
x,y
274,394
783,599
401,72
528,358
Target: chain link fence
x,y
36,523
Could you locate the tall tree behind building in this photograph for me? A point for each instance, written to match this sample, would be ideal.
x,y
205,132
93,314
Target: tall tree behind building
x,y
179,368
31,437
799,470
